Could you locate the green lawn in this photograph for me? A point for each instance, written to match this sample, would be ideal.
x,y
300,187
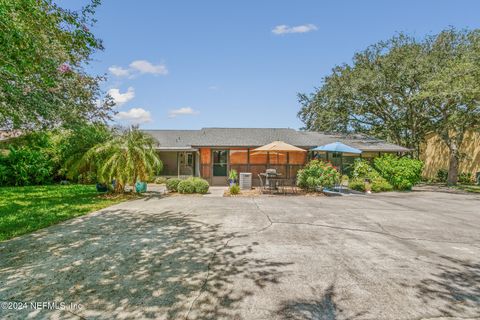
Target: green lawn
x,y
26,209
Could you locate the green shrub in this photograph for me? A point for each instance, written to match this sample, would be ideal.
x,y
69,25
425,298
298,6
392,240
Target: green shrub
x,y
31,159
357,184
466,178
401,172
442,175
235,189
88,177
25,166
317,174
74,143
160,180
201,185
362,169
379,184
186,186
172,184
4,173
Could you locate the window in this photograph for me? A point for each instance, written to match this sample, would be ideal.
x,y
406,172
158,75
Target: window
x,y
190,159
220,161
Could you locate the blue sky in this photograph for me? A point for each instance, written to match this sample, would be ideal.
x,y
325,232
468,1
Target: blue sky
x,y
193,64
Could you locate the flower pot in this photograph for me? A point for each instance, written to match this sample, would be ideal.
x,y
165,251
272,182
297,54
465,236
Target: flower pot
x,y
140,187
101,187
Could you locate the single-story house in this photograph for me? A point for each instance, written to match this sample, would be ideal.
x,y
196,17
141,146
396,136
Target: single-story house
x,y
211,153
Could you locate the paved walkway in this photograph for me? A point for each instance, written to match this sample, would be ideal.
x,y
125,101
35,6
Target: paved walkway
x,y
215,192
389,256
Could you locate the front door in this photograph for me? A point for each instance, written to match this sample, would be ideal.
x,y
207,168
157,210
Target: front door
x,y
220,167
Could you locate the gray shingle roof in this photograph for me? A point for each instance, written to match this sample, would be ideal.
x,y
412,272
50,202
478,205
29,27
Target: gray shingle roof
x,y
255,137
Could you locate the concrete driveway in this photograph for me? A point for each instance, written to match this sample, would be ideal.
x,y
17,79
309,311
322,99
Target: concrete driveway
x,y
388,256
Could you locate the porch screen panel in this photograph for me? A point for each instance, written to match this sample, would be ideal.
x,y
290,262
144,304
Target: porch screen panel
x,y
293,170
277,158
169,160
320,155
256,169
238,156
298,158
239,167
258,157
281,169
348,161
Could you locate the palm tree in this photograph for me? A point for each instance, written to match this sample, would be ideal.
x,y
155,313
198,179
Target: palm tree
x,y
128,157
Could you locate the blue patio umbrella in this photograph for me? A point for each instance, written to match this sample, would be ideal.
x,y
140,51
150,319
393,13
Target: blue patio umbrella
x,y
337,147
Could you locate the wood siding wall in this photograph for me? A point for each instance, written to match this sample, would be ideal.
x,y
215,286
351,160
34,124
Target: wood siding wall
x,y
206,164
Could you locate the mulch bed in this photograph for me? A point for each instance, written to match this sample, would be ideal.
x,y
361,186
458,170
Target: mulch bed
x,y
255,192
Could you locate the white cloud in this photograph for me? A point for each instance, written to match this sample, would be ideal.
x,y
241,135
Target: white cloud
x,y
121,98
181,111
135,116
143,66
119,71
283,29
138,67
213,88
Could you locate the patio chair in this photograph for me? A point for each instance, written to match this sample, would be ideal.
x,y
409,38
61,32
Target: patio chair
x,y
262,184
294,185
290,184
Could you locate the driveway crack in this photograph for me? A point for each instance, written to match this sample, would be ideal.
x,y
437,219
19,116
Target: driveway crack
x,y
214,255
205,282
270,222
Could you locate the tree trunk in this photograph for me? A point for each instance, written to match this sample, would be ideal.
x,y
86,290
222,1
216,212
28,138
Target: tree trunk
x,y
119,188
135,179
453,165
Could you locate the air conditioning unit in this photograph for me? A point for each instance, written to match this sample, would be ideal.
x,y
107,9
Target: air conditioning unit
x,y
245,180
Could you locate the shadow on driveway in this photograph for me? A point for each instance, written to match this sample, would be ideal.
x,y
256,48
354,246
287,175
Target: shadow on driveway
x,y
456,286
142,265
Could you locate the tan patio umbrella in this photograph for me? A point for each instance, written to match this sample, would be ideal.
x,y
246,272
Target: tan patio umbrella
x,y
279,146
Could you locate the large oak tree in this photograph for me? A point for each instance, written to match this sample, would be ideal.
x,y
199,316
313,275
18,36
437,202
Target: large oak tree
x,y
453,89
401,89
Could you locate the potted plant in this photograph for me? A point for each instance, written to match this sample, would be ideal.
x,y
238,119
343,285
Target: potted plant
x,y
140,186
232,177
101,187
